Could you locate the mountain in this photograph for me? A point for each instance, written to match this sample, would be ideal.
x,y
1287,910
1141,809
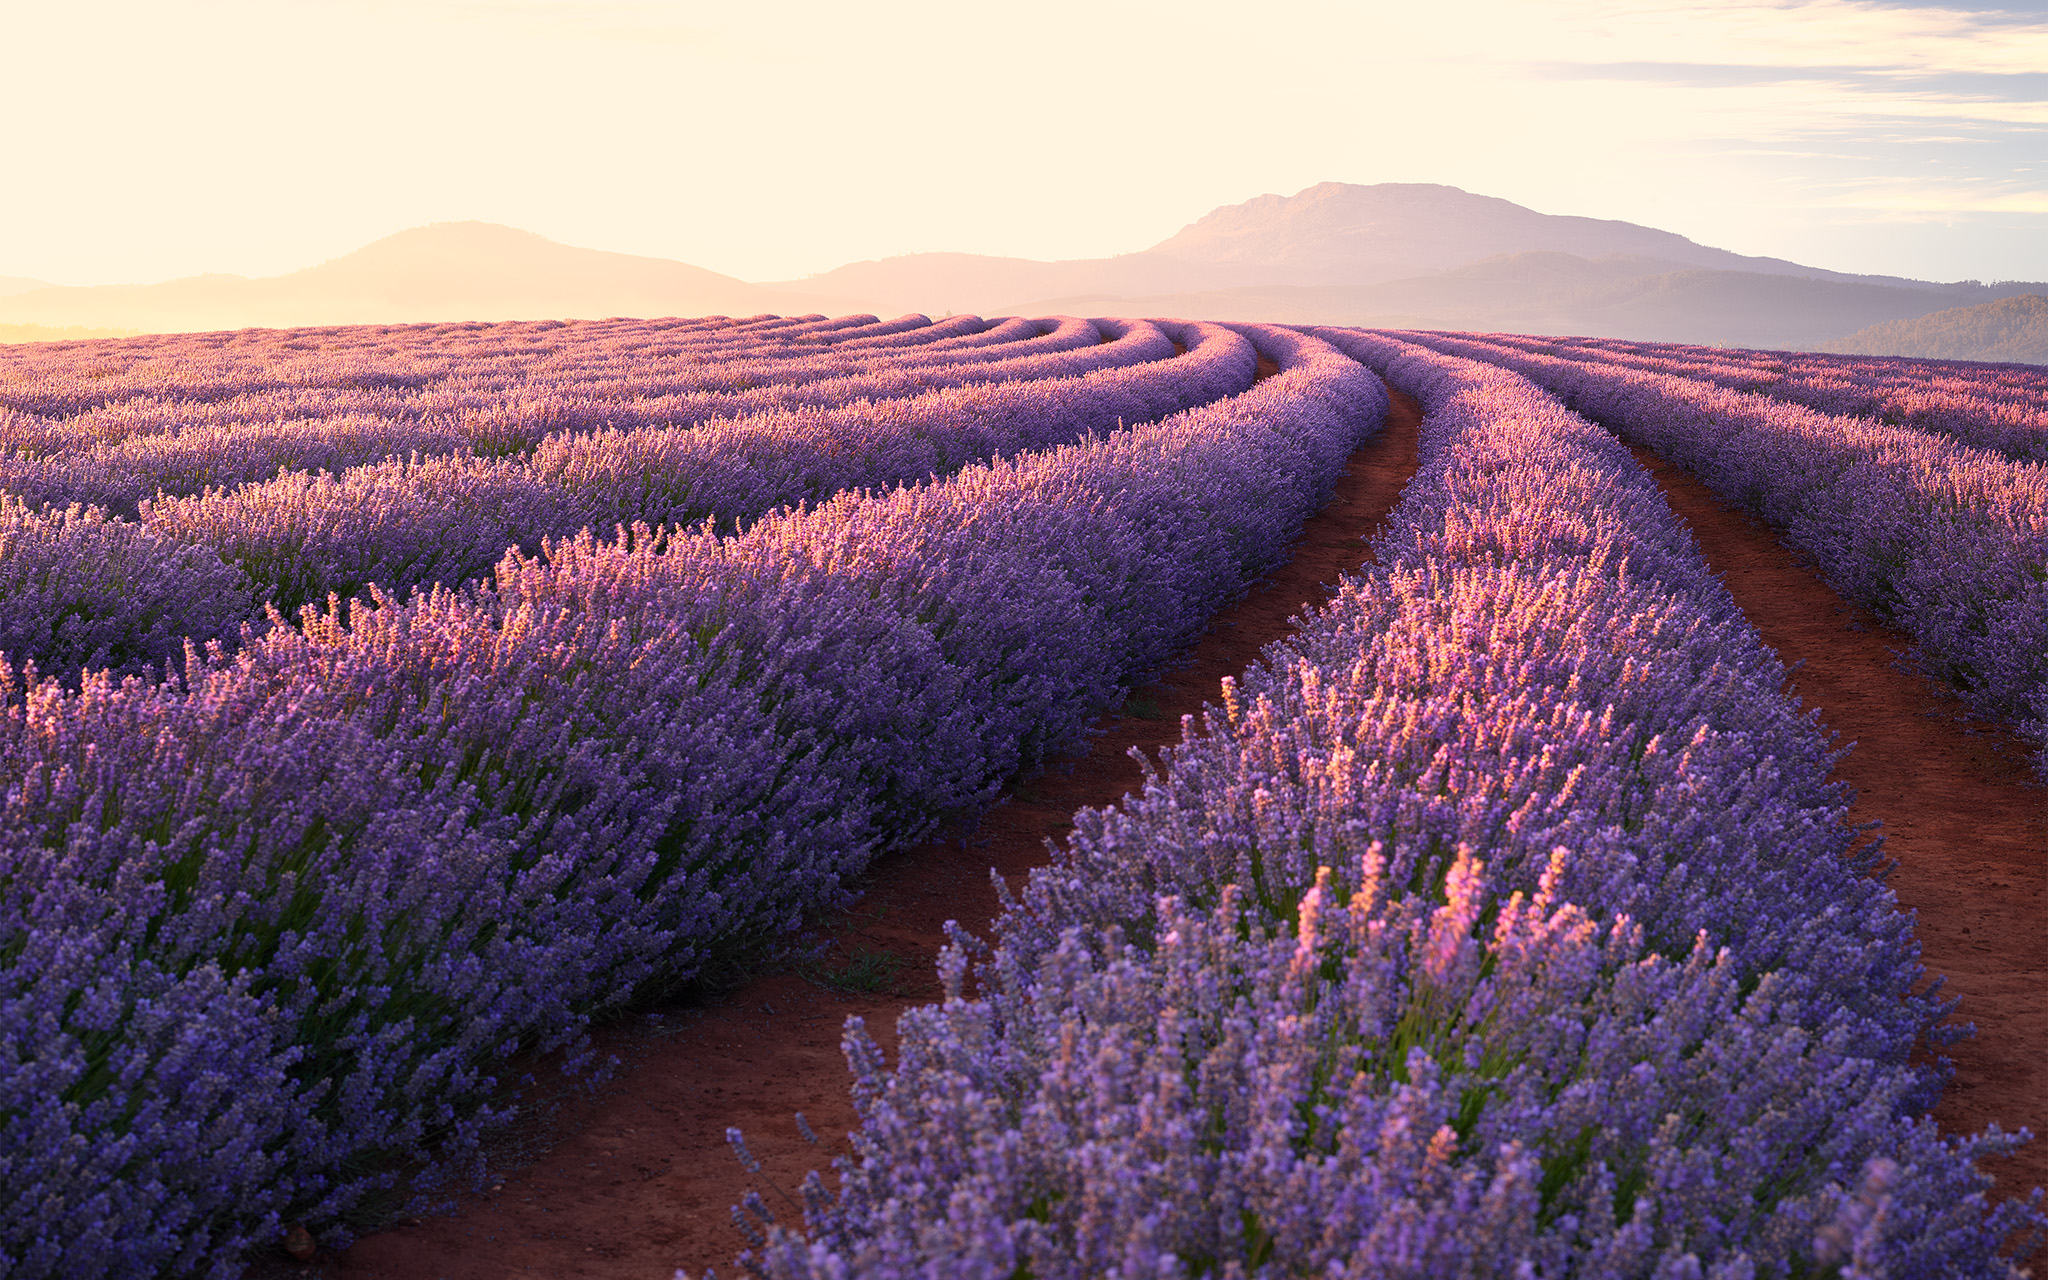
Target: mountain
x,y
1411,255
20,284
2010,329
1330,235
447,271
1560,293
1339,234
1419,255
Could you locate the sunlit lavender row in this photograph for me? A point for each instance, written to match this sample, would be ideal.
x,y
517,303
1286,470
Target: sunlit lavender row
x,y
1992,406
1503,923
271,932
1948,542
90,590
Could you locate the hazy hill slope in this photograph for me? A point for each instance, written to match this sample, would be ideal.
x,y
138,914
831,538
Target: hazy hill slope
x,y
1414,255
447,271
2009,329
1559,293
1339,233
1420,255
1330,235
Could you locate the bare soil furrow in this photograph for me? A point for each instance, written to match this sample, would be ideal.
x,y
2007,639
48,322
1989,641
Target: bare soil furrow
x,y
1959,810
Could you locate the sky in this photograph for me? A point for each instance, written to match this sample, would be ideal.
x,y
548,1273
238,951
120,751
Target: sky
x,y
774,139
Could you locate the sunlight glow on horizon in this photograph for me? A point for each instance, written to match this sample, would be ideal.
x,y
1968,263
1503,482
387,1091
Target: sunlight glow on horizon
x,y
784,139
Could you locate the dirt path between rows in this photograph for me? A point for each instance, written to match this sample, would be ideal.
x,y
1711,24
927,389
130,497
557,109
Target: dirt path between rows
x,y
1968,828
640,1180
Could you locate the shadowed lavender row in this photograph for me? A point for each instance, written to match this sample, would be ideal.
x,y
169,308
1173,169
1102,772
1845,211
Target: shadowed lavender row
x,y
76,380
1503,923
270,931
64,394
100,598
1998,407
403,524
87,461
498,391
1946,541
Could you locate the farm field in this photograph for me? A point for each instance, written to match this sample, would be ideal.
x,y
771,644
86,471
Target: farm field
x,y
392,712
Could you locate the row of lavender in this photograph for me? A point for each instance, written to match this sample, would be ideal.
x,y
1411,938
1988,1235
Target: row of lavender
x,y
272,930
1948,542
1998,407
70,396
1503,923
105,391
186,446
80,589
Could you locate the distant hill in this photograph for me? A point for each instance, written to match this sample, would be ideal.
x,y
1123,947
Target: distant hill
x,y
1331,235
1419,255
20,284
447,271
1560,293
1413,255
2010,329
1340,234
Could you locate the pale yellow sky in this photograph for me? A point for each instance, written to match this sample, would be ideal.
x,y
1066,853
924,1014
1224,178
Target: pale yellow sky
x,y
772,140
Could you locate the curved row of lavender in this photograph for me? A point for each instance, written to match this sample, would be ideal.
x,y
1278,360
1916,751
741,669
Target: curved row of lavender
x,y
247,437
425,389
65,395
1503,923
89,590
271,931
2001,407
1948,542
408,523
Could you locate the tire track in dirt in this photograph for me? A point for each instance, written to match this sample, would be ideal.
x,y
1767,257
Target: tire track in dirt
x,y
1960,813
639,1179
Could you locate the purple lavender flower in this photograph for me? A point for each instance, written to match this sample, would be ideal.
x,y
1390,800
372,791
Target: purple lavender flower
x,y
1501,923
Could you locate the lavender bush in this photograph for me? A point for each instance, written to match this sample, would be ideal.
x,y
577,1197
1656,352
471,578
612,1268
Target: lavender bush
x,y
79,590
412,523
1948,542
114,441
1502,923
2003,407
449,515
382,850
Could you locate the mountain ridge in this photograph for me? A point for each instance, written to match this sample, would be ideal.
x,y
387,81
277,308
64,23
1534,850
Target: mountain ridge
x,y
1437,227
1419,255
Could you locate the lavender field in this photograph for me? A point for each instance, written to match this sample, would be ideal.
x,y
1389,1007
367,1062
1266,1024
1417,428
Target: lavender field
x,y
384,705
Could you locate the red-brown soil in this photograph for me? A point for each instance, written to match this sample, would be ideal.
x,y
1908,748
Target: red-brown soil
x,y
640,1180
1961,816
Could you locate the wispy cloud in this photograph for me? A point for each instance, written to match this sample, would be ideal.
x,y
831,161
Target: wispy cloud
x,y
1847,34
1938,104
